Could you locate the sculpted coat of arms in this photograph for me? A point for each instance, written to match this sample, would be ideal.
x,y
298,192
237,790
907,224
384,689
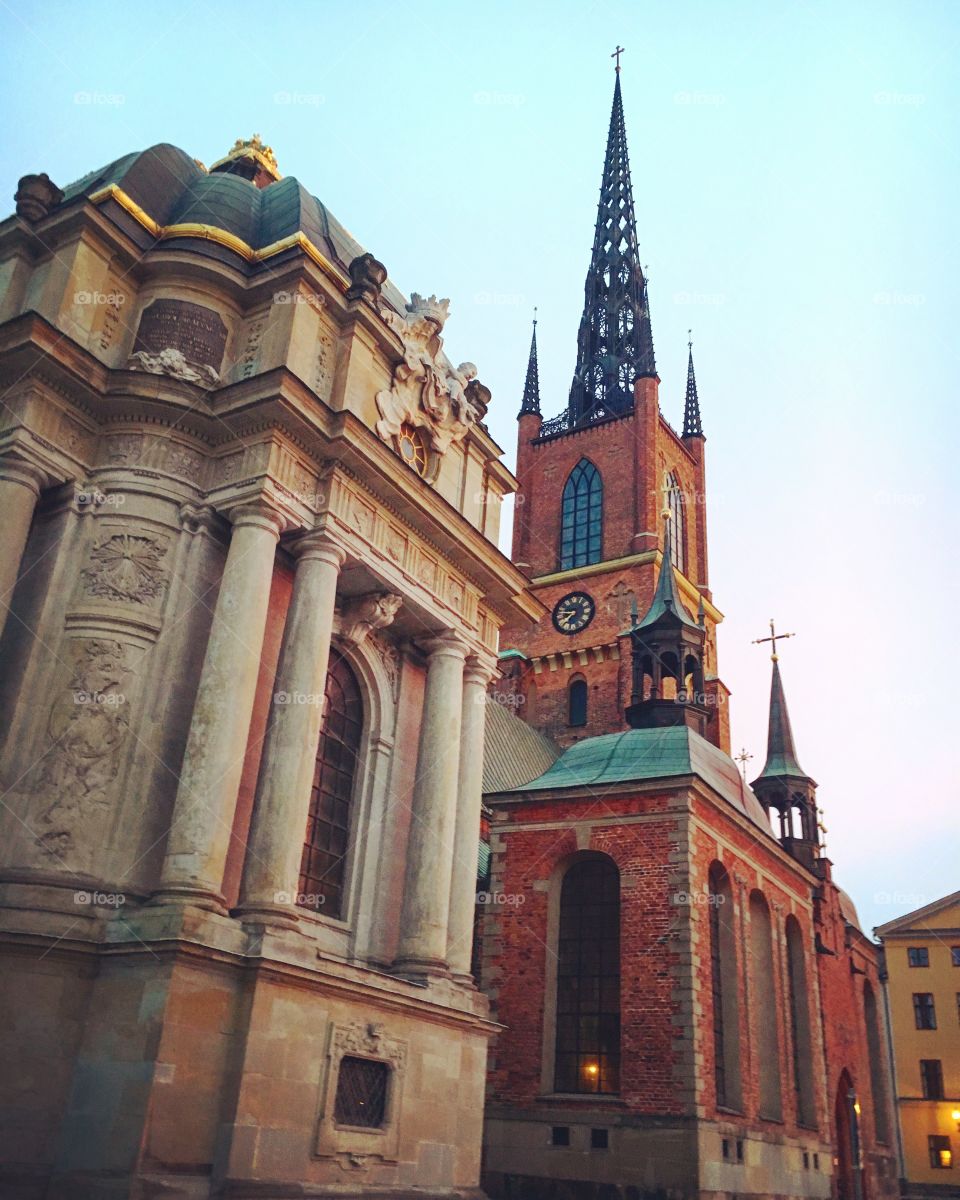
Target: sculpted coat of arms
x,y
427,390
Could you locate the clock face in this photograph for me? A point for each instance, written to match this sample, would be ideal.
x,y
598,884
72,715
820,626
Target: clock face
x,y
574,612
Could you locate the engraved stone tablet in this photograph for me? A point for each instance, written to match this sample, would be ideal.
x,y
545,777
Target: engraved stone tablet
x,y
197,332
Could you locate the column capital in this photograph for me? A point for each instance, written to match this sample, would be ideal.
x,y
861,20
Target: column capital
x,y
18,470
445,644
479,669
317,545
258,513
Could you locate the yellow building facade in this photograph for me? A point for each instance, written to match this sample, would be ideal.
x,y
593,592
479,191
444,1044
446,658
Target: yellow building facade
x,y
922,952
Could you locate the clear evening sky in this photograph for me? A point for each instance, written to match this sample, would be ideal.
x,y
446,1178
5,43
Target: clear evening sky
x,y
795,172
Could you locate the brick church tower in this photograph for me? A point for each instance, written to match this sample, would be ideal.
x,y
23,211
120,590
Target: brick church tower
x,y
592,484
688,1006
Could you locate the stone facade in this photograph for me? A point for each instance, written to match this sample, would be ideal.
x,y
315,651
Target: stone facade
x,y
198,508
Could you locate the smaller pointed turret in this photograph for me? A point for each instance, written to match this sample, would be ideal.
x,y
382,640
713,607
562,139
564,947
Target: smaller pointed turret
x,y
783,786
667,645
531,386
692,426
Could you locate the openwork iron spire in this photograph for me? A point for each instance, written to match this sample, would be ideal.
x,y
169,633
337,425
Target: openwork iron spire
x,y
615,344
531,387
691,408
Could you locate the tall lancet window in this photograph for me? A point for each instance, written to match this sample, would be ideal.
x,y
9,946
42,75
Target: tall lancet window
x,y
322,866
581,519
588,978
678,524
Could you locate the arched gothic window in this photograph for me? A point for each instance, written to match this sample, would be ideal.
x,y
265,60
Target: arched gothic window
x,y
328,824
678,524
764,1004
581,518
802,1045
577,702
588,978
725,991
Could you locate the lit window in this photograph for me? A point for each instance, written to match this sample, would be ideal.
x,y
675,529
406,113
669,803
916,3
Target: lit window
x,y
941,1156
588,978
918,956
361,1098
581,517
413,448
924,1012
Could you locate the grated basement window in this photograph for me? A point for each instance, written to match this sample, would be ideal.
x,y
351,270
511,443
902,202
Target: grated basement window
x,y
361,1093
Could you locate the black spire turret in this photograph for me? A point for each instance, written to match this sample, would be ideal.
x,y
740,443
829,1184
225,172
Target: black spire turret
x,y
531,387
667,644
691,407
615,343
783,786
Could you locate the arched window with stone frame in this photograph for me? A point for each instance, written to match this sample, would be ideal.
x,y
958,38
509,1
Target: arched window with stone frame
x,y
678,523
725,990
581,517
801,1036
763,995
577,699
877,1058
327,836
587,1013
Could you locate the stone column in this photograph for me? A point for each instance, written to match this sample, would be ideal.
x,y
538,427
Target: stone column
x,y
271,870
426,895
20,485
203,811
463,881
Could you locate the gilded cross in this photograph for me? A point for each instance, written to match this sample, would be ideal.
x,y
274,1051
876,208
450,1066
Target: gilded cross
x,y
743,758
773,639
616,54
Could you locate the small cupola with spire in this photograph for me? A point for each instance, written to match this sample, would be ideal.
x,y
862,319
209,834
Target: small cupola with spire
x,y
667,647
783,787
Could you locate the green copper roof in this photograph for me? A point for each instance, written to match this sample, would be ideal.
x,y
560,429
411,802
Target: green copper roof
x,y
781,756
646,754
666,599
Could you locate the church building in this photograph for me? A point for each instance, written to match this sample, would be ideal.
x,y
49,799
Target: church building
x,y
689,1006
251,599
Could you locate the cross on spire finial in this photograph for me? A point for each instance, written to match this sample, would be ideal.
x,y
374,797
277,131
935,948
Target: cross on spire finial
x,y
773,638
616,54
743,758
534,315
689,339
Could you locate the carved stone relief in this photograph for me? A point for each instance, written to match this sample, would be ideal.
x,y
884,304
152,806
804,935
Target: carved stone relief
x,y
427,390
364,614
126,567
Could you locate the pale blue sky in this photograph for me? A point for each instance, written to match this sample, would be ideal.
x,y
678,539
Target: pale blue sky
x,y
795,170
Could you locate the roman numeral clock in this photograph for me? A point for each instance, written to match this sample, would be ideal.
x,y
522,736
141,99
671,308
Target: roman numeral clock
x,y
573,612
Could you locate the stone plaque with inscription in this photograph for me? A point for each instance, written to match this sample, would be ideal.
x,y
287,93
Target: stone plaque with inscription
x,y
197,332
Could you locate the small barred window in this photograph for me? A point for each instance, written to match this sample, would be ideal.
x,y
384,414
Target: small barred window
x,y
361,1098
